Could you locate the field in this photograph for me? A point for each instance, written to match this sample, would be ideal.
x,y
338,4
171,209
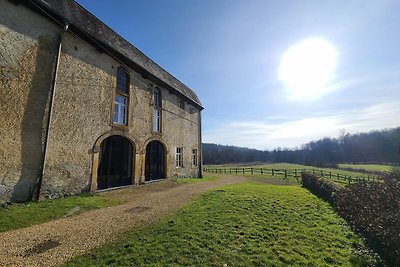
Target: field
x,y
288,166
27,214
367,167
245,224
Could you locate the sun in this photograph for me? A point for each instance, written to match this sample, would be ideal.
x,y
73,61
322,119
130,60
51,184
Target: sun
x,y
307,68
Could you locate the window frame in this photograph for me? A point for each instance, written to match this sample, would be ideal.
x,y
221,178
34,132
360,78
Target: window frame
x,y
195,160
123,94
121,107
157,111
179,157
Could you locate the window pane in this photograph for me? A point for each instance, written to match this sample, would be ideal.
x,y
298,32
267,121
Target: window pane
x,y
120,109
156,120
178,157
157,97
122,80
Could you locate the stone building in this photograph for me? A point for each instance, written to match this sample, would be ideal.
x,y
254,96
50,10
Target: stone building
x,y
81,109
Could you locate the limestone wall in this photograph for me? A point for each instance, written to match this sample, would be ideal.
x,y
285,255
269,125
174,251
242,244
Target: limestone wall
x,y
82,110
28,45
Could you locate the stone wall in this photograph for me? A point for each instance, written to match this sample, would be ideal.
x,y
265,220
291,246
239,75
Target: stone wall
x,y
82,110
27,56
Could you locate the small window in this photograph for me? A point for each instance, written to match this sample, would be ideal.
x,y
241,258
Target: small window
x,y
156,110
181,103
122,81
120,109
194,157
179,157
121,99
156,120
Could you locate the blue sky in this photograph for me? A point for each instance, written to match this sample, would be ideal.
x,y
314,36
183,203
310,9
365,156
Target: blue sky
x,y
230,53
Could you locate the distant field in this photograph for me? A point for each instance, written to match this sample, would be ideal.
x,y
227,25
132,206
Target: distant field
x,y
368,167
288,166
240,225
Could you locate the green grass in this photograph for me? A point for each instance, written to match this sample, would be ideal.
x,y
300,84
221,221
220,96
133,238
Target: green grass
x,y
368,167
239,225
27,214
194,180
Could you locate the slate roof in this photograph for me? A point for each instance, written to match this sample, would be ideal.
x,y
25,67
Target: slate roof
x,y
90,28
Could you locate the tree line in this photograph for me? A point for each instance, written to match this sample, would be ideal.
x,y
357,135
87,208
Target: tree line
x,y
380,147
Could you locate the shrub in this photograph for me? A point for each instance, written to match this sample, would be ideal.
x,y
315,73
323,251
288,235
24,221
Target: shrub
x,y
373,209
319,186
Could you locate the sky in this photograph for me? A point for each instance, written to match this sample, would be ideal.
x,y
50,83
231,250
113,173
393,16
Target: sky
x,y
273,73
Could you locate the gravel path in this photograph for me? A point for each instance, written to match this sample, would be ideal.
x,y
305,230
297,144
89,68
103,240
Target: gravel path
x,y
55,242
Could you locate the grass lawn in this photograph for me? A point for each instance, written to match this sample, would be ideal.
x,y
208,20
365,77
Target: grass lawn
x,y
368,167
245,224
27,214
194,180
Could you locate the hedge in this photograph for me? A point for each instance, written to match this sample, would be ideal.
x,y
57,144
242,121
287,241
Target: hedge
x,y
371,209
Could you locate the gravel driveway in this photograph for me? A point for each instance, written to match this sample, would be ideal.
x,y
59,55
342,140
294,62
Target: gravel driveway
x,y
55,242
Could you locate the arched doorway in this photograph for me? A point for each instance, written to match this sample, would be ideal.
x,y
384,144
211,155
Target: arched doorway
x,y
154,165
115,163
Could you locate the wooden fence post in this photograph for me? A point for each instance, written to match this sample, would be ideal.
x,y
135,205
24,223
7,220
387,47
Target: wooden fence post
x,y
261,170
285,174
252,171
243,170
272,172
330,175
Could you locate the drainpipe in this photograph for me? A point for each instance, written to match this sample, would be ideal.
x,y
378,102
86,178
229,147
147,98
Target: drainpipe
x,y
53,91
200,149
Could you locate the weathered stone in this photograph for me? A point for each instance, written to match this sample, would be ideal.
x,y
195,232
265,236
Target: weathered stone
x,y
82,111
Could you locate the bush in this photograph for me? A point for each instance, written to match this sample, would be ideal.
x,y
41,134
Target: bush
x,y
319,186
373,209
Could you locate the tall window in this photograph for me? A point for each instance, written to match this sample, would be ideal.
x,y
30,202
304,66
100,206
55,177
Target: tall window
x,y
121,97
156,110
179,157
194,157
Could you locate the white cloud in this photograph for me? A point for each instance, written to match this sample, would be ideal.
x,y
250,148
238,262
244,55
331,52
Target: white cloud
x,y
266,135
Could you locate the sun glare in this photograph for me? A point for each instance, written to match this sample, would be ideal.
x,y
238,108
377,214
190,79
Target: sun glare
x,y
307,68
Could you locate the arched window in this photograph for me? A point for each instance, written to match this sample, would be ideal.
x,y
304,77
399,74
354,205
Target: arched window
x,y
157,110
121,97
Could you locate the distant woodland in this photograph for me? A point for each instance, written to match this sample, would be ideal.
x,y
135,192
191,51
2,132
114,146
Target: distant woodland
x,y
381,147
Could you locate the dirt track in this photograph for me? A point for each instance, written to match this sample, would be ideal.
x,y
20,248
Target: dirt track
x,y
55,242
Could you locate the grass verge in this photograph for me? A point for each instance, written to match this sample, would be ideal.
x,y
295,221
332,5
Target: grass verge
x,y
23,215
240,225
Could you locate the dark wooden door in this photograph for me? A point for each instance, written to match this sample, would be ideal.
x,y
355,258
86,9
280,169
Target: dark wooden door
x,y
154,166
115,167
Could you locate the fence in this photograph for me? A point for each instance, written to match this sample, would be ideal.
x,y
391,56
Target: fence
x,y
295,173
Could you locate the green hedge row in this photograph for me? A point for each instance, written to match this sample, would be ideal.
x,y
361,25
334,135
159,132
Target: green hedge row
x,y
371,208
